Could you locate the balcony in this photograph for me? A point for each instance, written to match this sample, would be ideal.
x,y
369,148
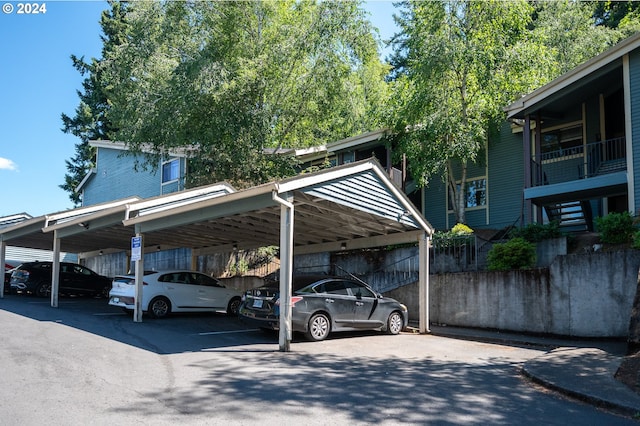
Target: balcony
x,y
597,169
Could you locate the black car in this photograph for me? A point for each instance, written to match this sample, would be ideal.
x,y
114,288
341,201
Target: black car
x,y
35,278
324,304
7,281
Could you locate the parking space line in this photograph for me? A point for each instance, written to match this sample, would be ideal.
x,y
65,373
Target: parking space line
x,y
226,332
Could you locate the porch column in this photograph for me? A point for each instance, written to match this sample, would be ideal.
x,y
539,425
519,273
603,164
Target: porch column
x,y
526,147
632,197
538,153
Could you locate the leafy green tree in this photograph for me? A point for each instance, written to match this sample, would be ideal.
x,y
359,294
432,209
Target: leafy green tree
x,y
90,121
458,64
225,80
568,28
613,13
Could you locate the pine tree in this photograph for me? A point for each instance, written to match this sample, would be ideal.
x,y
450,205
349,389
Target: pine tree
x,y
90,122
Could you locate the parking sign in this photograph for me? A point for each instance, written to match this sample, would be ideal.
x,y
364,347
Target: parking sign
x,y
136,248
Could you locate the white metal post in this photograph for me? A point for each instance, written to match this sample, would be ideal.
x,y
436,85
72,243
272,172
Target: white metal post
x,y
139,271
55,270
423,283
286,269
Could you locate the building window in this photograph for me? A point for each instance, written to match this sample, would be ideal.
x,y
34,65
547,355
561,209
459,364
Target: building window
x,y
564,141
348,157
171,170
476,194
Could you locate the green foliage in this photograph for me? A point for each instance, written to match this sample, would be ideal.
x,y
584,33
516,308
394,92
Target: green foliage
x,y
615,228
567,29
457,63
459,235
535,232
228,79
636,240
89,121
516,253
458,72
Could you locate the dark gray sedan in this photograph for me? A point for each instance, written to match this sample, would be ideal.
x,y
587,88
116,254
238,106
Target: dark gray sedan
x,y
322,304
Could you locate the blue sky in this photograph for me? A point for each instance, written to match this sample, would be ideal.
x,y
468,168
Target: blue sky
x,y
38,83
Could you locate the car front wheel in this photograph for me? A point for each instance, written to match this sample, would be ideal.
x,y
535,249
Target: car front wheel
x,y
319,327
394,323
159,307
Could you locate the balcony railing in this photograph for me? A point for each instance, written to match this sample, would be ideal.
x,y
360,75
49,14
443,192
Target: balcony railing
x,y
580,162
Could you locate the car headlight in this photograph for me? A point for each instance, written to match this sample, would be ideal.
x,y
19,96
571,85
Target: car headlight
x,y
404,307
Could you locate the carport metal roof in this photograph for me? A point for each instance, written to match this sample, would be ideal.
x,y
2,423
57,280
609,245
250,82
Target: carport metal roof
x,y
356,205
353,206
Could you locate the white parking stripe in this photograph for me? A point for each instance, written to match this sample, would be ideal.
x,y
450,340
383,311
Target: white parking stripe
x,y
227,332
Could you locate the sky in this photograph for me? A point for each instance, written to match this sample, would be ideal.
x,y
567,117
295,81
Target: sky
x,y
38,83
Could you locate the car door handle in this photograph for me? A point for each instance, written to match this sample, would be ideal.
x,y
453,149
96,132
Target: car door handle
x,y
359,304
329,300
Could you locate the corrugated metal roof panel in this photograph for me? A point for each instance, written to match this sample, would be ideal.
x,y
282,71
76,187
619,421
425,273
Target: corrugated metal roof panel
x,y
365,192
16,255
13,219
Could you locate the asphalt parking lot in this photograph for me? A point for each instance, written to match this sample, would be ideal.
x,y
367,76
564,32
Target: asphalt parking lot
x,y
89,363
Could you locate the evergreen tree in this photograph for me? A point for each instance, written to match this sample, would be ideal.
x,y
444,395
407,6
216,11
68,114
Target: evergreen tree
x,y
90,121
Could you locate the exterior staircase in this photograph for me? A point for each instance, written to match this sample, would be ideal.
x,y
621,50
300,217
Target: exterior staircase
x,y
572,215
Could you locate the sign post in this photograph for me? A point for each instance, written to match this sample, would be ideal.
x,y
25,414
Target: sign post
x,y
136,256
136,248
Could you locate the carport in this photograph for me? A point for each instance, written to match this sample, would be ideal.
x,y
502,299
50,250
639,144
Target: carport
x,y
347,207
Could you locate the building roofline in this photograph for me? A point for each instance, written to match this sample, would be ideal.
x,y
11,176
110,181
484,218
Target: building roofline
x,y
605,58
145,148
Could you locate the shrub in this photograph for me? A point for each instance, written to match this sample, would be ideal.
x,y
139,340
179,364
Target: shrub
x,y
516,253
615,228
536,232
458,235
636,240
461,229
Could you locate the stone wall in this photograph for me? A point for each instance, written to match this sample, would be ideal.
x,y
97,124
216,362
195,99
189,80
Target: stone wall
x,y
585,295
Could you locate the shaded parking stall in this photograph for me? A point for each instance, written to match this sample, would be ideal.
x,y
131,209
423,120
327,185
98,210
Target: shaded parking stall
x,y
352,206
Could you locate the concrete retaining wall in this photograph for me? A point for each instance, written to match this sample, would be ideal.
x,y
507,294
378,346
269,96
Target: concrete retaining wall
x,y
586,295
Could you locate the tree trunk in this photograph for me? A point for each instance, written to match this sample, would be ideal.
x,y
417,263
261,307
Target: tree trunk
x,y
457,192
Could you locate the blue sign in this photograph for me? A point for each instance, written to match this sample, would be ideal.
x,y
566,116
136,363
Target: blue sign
x,y
136,248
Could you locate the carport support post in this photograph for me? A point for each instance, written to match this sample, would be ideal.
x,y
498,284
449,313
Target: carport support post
x,y
139,271
55,270
3,254
423,283
286,268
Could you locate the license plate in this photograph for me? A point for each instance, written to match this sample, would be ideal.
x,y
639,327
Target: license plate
x,y
257,303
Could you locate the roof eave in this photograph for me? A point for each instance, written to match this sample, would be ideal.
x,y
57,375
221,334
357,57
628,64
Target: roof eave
x,y
569,78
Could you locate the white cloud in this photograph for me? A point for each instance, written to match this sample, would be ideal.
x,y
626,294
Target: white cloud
x,y
6,164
